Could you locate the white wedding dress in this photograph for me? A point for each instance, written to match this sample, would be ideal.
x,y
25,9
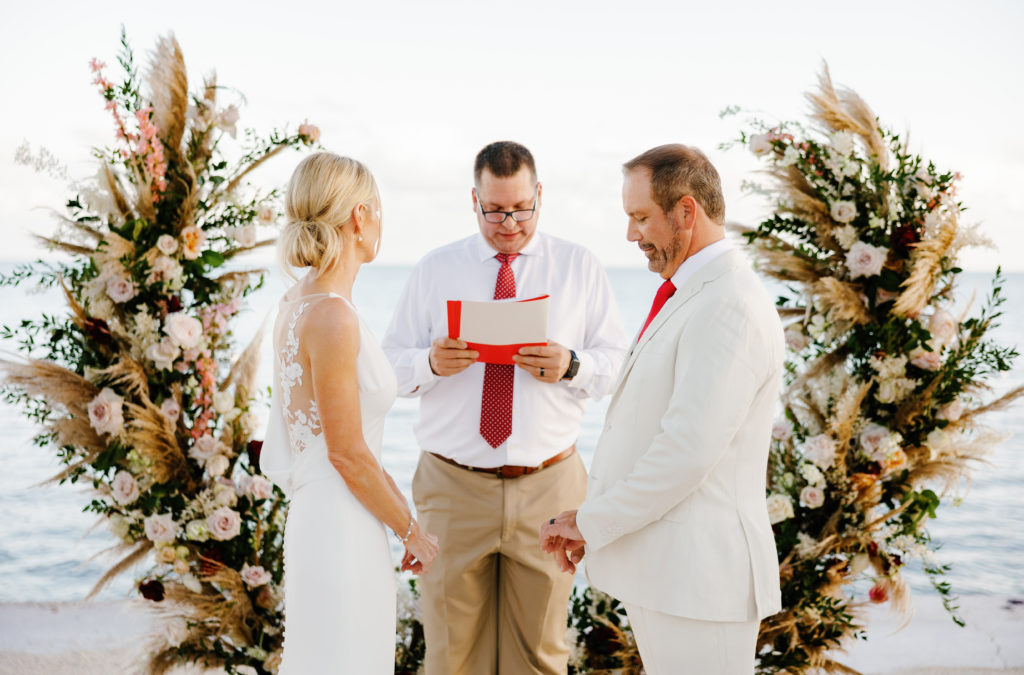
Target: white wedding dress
x,y
339,575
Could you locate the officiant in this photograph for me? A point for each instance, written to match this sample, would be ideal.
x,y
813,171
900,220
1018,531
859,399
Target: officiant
x,y
498,440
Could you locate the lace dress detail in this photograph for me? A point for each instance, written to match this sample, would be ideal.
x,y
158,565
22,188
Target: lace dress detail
x,y
303,425
339,575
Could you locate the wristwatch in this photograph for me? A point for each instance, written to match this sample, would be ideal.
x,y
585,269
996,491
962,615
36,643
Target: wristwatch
x,y
574,366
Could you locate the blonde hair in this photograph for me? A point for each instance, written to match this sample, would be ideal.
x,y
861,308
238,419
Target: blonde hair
x,y
321,194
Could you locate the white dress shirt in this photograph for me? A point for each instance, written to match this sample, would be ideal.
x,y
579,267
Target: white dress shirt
x,y
698,260
582,316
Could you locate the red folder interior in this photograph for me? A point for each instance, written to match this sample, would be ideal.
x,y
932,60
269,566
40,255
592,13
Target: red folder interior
x,y
488,353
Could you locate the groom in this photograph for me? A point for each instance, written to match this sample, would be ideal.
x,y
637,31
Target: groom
x,y
675,522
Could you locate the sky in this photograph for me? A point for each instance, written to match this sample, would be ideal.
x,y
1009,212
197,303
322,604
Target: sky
x,y
415,89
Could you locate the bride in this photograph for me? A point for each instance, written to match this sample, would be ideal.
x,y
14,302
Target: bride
x,y
332,388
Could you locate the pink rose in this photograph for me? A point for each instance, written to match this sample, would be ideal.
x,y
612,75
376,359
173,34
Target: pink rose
x,y
166,244
872,437
164,269
106,413
928,360
227,120
844,212
217,465
224,523
795,340
782,430
820,450
952,410
245,235
121,289
254,576
266,213
943,326
163,353
260,488
126,489
865,260
812,497
161,529
205,448
171,409
193,239
309,132
183,329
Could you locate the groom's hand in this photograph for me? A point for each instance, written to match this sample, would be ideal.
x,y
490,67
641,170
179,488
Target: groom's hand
x,y
560,537
450,357
547,363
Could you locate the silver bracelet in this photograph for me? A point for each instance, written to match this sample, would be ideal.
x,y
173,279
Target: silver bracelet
x,y
409,531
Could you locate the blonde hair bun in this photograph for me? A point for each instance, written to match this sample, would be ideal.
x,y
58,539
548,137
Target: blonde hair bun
x,y
322,192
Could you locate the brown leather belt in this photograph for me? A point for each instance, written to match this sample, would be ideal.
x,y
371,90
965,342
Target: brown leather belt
x,y
511,471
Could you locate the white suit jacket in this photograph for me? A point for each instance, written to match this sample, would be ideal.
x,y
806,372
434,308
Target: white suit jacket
x,y
675,518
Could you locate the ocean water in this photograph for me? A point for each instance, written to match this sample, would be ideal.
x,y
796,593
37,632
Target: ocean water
x,y
48,545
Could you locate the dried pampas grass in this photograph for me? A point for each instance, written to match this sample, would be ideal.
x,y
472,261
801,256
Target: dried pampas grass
x,y
168,86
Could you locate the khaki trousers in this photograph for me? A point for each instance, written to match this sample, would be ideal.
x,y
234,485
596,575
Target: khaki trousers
x,y
674,645
493,602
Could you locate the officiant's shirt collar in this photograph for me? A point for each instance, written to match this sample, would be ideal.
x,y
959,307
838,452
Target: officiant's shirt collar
x,y
484,250
698,260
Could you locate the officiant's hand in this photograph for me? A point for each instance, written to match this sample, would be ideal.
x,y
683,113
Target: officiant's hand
x,y
560,537
547,363
450,357
420,550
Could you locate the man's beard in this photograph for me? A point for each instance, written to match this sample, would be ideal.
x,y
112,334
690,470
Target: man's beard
x,y
661,257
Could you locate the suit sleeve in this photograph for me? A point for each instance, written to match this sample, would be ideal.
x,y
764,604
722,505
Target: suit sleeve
x,y
714,384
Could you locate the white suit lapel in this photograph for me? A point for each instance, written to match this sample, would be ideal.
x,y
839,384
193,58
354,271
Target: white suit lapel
x,y
693,285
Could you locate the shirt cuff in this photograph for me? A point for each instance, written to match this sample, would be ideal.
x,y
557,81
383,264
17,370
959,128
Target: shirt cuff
x,y
422,373
585,374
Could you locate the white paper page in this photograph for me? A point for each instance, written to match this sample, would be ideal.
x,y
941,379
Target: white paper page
x,y
503,322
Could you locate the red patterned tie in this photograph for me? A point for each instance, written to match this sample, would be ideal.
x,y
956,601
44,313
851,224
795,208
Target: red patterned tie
x,y
664,293
496,403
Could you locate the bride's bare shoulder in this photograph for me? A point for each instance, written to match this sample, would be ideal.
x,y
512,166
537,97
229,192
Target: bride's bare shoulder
x,y
331,322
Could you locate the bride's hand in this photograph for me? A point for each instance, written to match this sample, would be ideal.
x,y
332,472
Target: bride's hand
x,y
420,550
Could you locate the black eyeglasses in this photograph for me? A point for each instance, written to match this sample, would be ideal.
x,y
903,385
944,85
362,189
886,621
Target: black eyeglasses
x,y
500,216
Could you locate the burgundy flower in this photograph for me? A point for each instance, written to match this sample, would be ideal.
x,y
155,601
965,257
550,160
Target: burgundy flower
x,y
254,449
873,549
903,237
152,590
174,304
98,331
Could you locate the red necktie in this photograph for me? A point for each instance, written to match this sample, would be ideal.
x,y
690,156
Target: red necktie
x,y
665,292
496,403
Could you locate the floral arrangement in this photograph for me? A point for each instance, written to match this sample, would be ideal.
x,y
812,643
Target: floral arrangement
x,y
884,382
137,389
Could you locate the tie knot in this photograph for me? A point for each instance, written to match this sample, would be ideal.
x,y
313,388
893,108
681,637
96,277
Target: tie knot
x,y
666,290
506,258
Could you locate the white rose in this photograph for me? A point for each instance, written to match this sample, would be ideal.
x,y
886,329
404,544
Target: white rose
x,y
261,488
166,244
812,497
205,448
782,430
895,389
118,525
943,326
246,670
164,269
254,576
121,289
846,235
197,530
191,583
790,157
871,438
245,235
249,423
224,523
952,410
163,353
780,508
820,449
889,367
266,213
858,564
760,144
171,410
183,329
865,260
217,465
223,401
224,493
927,360
227,120
106,413
842,142
843,211
161,529
175,630
125,487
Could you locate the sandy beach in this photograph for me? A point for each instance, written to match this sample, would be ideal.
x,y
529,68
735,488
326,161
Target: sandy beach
x,y
105,637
